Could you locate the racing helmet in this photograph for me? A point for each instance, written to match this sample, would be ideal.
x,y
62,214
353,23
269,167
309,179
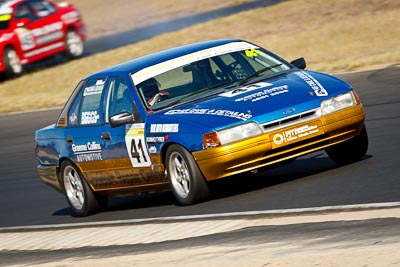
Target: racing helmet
x,y
149,88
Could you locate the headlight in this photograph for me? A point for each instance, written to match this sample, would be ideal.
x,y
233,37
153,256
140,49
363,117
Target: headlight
x,y
230,135
337,103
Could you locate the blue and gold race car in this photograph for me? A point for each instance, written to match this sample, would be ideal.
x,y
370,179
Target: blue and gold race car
x,y
179,118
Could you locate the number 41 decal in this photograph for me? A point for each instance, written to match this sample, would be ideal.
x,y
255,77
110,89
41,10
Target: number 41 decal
x,y
137,150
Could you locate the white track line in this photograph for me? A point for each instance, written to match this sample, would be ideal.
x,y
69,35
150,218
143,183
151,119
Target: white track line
x,y
229,215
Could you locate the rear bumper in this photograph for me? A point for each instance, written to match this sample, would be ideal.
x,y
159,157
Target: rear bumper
x,y
280,145
48,175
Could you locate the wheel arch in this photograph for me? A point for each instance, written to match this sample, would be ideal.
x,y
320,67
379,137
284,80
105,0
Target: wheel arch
x,y
60,162
16,48
164,150
71,28
187,182
163,154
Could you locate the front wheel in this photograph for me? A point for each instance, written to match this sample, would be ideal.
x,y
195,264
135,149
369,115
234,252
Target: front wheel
x,y
351,150
186,181
75,45
80,197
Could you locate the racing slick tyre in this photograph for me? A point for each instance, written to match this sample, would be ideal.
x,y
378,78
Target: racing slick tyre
x,y
12,63
351,150
75,45
80,197
186,181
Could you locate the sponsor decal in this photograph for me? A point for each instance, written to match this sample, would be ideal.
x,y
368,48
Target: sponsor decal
x,y
295,133
49,37
54,27
70,17
155,139
319,90
153,149
165,66
135,144
89,146
253,52
73,119
44,49
289,111
213,112
164,128
266,93
91,151
95,89
31,38
26,38
245,89
100,82
89,117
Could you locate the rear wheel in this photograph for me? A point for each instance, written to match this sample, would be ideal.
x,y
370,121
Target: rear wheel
x,y
351,150
185,179
12,62
80,197
75,45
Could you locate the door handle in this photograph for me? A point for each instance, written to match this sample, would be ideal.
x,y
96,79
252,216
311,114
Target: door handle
x,y
69,139
106,136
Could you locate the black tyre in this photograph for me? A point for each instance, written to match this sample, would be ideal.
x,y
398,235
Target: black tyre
x,y
186,181
351,150
80,197
75,45
12,62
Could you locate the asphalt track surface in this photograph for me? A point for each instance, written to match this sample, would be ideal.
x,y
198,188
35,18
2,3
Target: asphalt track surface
x,y
104,43
312,181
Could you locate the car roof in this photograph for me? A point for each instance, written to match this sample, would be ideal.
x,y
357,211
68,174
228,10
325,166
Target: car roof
x,y
137,64
6,7
8,4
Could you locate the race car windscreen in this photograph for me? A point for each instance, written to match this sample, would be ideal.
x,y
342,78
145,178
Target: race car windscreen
x,y
206,76
4,21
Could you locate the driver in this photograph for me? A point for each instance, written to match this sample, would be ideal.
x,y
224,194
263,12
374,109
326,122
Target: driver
x,y
151,91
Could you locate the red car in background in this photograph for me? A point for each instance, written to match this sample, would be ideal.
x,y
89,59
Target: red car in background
x,y
31,30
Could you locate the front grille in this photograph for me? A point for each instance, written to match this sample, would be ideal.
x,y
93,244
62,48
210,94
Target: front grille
x,y
301,147
288,121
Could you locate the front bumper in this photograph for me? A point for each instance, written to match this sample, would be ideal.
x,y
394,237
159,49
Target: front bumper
x,y
280,145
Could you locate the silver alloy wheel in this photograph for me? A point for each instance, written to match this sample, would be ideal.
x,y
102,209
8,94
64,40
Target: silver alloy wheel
x,y
14,61
74,187
75,45
179,175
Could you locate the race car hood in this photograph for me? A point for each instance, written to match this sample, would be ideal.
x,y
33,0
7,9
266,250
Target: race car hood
x,y
263,101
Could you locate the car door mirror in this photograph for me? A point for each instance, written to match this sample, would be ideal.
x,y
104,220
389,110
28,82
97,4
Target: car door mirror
x,y
23,22
121,119
299,63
